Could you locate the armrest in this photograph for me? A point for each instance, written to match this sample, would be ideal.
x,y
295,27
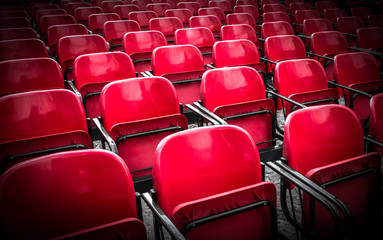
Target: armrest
x,y
370,139
209,113
375,53
74,89
304,36
201,113
333,83
209,66
264,59
161,217
147,74
286,99
320,56
105,135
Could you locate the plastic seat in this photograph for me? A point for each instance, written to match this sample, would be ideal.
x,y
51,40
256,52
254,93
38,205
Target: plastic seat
x,y
55,32
14,22
107,6
158,8
237,53
42,73
263,2
362,12
81,14
299,6
276,29
230,92
114,32
273,7
311,148
200,37
96,3
182,14
321,6
124,10
304,81
216,11
376,118
313,25
247,2
143,18
64,3
301,15
209,21
333,13
11,8
223,4
22,48
17,33
251,9
375,21
47,12
360,71
93,71
173,3
288,2
192,6
151,112
38,7
38,123
167,25
53,194
50,20
70,47
239,31
241,18
370,38
96,21
349,25
215,163
71,7
20,13
276,16
140,46
183,66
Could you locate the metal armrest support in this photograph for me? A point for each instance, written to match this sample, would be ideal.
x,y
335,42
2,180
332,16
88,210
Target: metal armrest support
x,y
147,74
66,72
105,135
209,66
375,53
370,139
264,59
203,114
286,99
161,217
209,113
333,83
74,89
321,56
304,36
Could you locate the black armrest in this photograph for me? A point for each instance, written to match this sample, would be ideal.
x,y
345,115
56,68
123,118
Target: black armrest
x,y
286,99
105,135
375,53
74,89
203,114
321,56
333,83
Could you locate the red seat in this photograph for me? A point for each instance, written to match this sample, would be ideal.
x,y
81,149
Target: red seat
x,y
311,148
166,25
263,2
183,66
64,3
288,2
38,123
301,16
50,20
304,81
96,21
237,95
93,71
124,10
173,3
200,37
375,21
360,71
23,75
107,6
241,18
362,12
313,25
19,13
182,14
55,32
376,119
47,12
11,8
81,14
14,22
349,25
333,13
253,10
247,2
223,4
210,21
140,46
41,6
72,185
71,7
216,11
22,48
96,3
151,112
273,7
142,18
370,38
192,6
230,175
321,6
238,31
276,28
158,8
70,47
114,32
17,33
276,16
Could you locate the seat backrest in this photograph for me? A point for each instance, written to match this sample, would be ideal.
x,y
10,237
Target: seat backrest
x,y
17,33
216,11
227,153
22,48
143,42
182,14
240,18
158,8
300,6
321,6
38,7
71,7
288,2
143,18
276,16
235,53
81,14
253,10
114,30
210,21
46,12
370,37
238,31
349,24
225,86
376,119
166,25
172,3
301,15
276,28
17,13
14,22
64,3
141,98
333,13
192,6
107,6
96,21
96,68
273,7
55,32
298,76
358,67
375,21
124,10
68,185
176,59
284,47
31,74
199,37
313,135
223,4
247,2
50,20
263,2
313,25
362,12
328,43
